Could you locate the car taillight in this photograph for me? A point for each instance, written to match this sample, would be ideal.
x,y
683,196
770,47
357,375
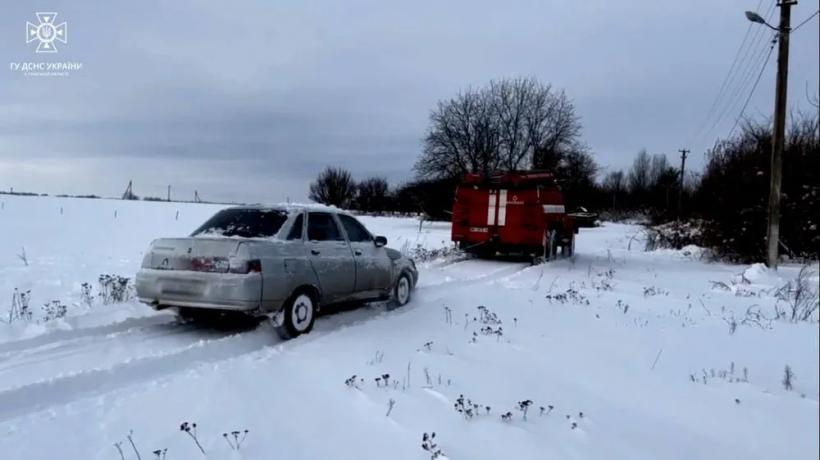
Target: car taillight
x,y
243,266
210,264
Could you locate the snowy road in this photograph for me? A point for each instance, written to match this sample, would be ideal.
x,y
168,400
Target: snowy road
x,y
56,368
630,355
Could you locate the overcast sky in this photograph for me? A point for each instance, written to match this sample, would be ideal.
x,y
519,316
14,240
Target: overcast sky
x,y
248,100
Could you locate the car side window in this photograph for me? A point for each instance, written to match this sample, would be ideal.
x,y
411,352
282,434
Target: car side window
x,y
322,227
355,230
296,229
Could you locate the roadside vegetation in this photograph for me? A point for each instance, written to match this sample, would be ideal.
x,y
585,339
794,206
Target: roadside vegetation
x,y
521,124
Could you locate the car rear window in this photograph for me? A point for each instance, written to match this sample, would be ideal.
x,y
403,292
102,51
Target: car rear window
x,y
244,223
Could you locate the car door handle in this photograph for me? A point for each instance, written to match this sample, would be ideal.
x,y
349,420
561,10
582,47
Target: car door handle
x,y
315,252
358,253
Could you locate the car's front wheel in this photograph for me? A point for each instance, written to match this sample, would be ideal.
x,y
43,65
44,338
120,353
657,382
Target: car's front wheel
x,y
402,290
297,316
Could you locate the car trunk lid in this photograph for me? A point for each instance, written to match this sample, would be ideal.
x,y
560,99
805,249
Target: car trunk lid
x,y
193,254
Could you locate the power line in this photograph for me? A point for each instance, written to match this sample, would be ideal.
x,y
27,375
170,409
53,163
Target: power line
x,y
751,59
754,87
806,20
749,77
736,80
728,74
746,74
739,89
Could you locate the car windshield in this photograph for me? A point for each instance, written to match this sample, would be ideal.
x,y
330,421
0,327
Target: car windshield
x,y
244,223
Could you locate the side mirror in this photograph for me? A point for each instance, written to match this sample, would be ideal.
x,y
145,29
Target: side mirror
x,y
380,241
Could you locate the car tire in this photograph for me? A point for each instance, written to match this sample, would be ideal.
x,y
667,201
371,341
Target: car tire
x,y
402,291
297,316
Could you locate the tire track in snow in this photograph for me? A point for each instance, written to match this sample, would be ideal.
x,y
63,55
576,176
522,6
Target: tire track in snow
x,y
63,389
70,334
66,346
66,388
498,270
24,366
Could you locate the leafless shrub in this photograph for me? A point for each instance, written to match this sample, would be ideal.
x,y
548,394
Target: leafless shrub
x,y
238,438
22,256
674,235
753,317
728,375
798,299
20,309
756,317
133,444
788,378
333,186
190,429
428,443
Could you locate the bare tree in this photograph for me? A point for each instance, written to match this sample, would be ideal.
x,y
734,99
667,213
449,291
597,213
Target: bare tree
x,y
660,166
507,125
614,182
576,174
640,174
463,138
333,186
372,194
614,185
557,131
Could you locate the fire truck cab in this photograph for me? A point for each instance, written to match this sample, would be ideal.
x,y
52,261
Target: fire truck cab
x,y
515,212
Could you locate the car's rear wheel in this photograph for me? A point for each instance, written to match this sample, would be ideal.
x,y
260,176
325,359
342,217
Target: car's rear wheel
x,y
297,316
402,290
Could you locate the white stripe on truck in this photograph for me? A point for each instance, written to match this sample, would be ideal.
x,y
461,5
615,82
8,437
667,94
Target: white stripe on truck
x,y
553,208
491,205
502,208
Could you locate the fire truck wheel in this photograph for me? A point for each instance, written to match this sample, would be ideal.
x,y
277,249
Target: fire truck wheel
x,y
569,248
550,244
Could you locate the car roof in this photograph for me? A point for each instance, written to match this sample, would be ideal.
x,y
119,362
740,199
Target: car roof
x,y
293,207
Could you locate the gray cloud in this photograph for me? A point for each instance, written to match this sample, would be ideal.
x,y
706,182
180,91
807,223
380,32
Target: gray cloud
x,y
247,101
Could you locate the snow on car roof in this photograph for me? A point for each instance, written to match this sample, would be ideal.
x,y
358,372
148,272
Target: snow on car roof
x,y
293,207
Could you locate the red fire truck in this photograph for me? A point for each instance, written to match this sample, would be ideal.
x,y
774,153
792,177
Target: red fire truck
x,y
516,212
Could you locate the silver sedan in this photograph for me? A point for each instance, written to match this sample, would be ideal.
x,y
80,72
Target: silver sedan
x,y
284,262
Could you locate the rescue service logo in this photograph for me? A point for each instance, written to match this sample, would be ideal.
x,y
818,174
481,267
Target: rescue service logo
x,y
46,32
50,36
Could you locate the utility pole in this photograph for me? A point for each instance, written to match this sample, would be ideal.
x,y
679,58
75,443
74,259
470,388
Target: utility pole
x,y
169,193
129,192
773,234
683,153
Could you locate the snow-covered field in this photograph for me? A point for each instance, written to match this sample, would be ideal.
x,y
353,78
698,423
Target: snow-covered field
x,y
630,354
